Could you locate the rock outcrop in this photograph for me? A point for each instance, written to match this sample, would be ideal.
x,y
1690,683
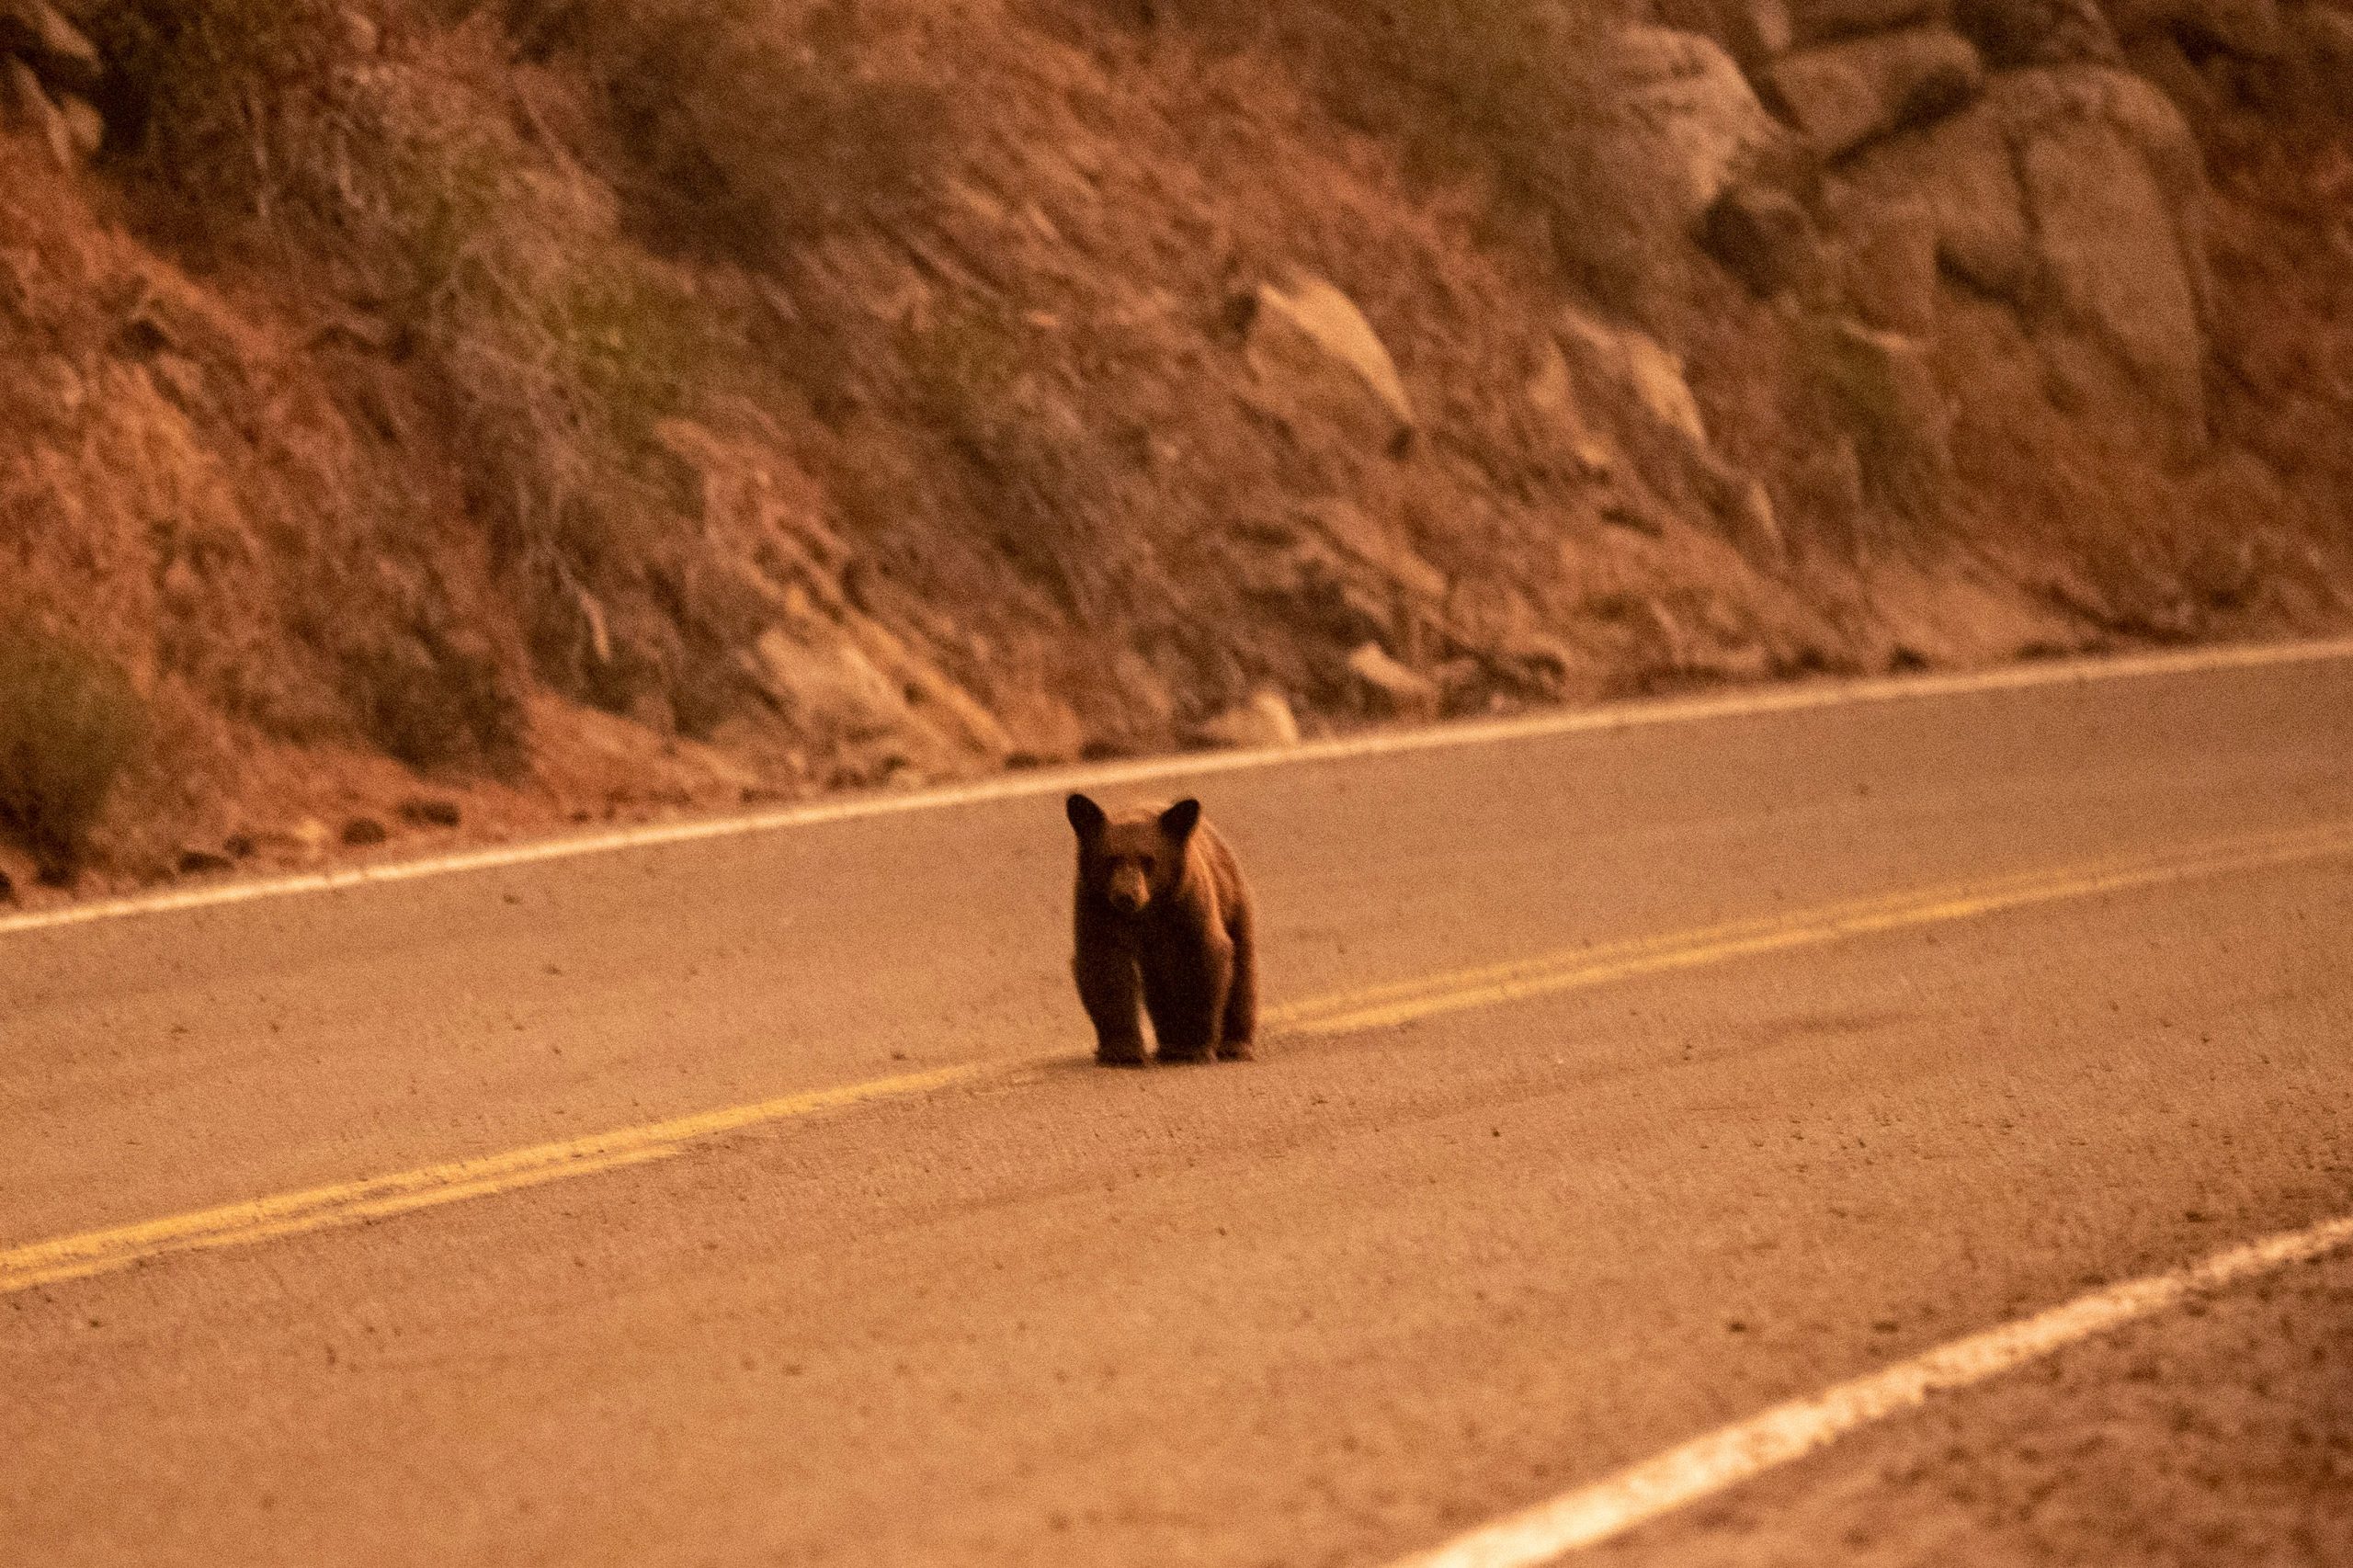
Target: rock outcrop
x,y
1764,237
1310,344
1842,95
2076,194
48,69
602,436
39,34
1676,112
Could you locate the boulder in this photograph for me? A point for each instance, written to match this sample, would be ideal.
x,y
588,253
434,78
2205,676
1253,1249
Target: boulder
x,y
1820,21
1310,342
38,33
1626,365
828,686
1674,469
2144,117
85,129
430,811
1960,172
2076,194
1842,96
2158,58
2251,30
2109,244
1886,393
1752,31
1292,571
1678,114
1263,724
1375,545
1552,395
1761,236
1887,264
1652,125
26,109
1744,508
1391,687
2323,42
2037,32
360,33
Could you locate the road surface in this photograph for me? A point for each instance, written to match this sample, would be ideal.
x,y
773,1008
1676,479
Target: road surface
x,y
1637,1080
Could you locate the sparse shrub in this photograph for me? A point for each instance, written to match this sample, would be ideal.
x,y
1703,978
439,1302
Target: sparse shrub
x,y
551,348
1220,24
426,683
69,722
1034,483
233,98
1527,84
1521,88
751,125
967,366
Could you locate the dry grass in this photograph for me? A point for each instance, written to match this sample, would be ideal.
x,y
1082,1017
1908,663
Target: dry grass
x,y
550,346
517,345
1527,84
751,127
1035,484
1517,88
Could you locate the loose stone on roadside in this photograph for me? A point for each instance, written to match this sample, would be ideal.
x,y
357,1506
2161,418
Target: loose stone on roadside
x,y
1264,722
1391,686
430,811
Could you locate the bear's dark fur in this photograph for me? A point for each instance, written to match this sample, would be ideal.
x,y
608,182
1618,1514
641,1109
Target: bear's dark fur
x,y
1162,918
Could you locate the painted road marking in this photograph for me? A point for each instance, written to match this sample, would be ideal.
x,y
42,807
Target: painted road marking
x,y
1745,703
1575,969
346,1203
1731,1455
374,1197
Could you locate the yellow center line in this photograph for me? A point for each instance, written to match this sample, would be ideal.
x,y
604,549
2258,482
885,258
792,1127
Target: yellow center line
x,y
1575,969
372,1198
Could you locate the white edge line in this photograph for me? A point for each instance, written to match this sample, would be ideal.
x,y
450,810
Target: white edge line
x,y
1741,703
1734,1454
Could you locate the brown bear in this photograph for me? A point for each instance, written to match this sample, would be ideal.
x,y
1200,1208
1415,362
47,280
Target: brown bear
x,y
1161,917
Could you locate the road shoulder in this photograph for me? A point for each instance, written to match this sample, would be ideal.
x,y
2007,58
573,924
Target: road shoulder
x,y
2221,1431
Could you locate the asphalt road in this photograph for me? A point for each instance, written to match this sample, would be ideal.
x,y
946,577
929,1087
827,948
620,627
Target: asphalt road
x,y
1330,1307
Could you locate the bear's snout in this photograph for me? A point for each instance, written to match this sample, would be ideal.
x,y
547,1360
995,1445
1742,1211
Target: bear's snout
x,y
1129,891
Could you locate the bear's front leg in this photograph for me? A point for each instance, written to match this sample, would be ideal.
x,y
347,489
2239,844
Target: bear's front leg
x,y
1107,990
1184,989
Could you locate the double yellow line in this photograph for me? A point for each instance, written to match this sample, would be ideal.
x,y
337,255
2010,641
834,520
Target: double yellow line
x,y
375,1197
453,1181
1577,969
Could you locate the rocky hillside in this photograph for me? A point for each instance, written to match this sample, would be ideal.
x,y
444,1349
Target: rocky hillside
x,y
426,417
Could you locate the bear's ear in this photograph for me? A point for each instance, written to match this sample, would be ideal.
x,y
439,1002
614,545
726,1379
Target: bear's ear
x,y
1084,815
1179,820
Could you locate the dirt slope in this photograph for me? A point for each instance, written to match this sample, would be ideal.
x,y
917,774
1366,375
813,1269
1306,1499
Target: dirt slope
x,y
536,411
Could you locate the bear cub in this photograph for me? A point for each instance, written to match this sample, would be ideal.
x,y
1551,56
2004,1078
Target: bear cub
x,y
1162,918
